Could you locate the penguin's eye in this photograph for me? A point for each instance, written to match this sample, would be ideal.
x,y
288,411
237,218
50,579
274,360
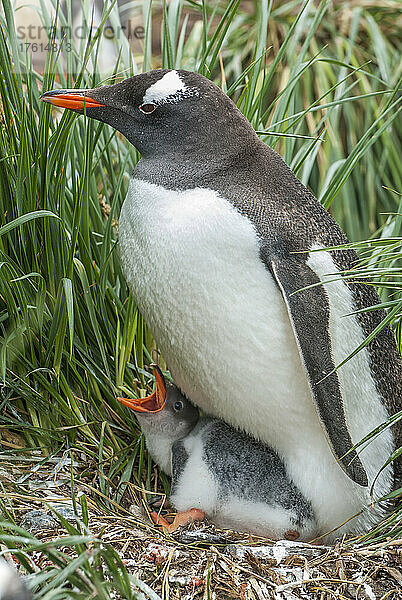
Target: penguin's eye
x,y
178,406
148,108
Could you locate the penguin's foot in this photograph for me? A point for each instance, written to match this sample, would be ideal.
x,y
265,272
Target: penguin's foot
x,y
181,519
292,535
184,518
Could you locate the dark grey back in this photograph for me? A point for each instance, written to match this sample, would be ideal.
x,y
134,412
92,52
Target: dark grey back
x,y
244,468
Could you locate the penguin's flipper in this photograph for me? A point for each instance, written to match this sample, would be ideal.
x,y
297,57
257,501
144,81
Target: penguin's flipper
x,y
309,314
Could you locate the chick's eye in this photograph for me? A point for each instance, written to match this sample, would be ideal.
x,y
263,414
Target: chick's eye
x,y
148,108
178,405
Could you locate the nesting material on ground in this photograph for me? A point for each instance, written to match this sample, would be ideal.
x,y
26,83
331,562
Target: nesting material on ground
x,y
202,561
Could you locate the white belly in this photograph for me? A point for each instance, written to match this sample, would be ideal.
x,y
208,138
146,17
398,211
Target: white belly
x,y
192,262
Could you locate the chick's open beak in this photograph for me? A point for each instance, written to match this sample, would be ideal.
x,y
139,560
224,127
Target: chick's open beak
x,y
72,99
153,403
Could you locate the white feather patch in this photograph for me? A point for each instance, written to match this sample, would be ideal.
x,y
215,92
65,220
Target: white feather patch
x,y
260,518
196,487
169,85
11,584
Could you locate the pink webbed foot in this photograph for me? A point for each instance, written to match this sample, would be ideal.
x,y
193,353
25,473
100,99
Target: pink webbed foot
x,y
180,520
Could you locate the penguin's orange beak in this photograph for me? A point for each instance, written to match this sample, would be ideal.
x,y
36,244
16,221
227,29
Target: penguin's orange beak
x,y
153,403
72,99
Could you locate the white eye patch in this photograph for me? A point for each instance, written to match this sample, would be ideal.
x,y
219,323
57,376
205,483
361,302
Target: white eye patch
x,y
169,88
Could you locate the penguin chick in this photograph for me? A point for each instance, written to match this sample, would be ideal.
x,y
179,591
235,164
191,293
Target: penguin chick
x,y
165,417
237,481
12,586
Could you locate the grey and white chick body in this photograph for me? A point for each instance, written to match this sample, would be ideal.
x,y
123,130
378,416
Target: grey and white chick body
x,y
237,481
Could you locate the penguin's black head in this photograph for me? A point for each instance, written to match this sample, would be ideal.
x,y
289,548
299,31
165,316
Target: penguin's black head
x,y
160,112
178,408
166,410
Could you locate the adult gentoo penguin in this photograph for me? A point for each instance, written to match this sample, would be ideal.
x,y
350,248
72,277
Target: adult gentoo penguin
x,y
217,237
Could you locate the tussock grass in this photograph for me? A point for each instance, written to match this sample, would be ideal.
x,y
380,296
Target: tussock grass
x,y
318,82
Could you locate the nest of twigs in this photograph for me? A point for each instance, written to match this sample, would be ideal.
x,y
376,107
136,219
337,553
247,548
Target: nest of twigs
x,y
199,561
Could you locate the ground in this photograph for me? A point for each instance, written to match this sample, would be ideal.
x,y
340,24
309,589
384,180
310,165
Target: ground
x,y
200,561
